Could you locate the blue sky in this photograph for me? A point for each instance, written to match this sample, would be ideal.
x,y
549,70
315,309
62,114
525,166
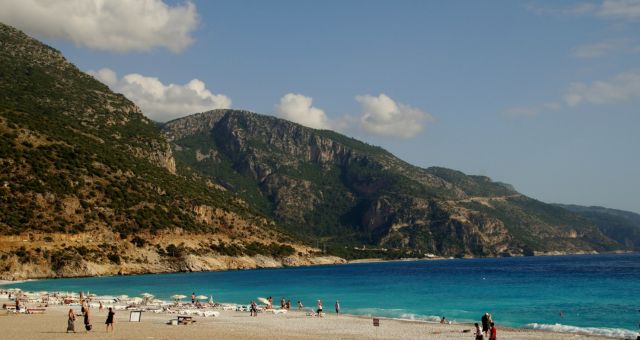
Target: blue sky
x,y
544,95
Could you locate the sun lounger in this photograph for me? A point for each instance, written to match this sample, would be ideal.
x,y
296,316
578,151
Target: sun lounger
x,y
277,311
35,310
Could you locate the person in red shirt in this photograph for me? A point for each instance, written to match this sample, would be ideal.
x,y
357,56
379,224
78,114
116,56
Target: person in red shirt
x,y
493,335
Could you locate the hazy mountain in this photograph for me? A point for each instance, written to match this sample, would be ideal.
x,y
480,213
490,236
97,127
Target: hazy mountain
x,y
622,226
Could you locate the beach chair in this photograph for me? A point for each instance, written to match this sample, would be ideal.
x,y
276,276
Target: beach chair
x,y
35,310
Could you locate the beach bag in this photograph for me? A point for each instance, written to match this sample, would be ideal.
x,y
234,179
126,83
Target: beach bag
x,y
88,327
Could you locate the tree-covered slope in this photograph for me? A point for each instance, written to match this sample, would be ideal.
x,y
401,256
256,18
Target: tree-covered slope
x,y
90,183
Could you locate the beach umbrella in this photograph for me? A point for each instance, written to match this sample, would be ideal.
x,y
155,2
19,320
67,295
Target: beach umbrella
x,y
263,300
178,297
147,297
202,297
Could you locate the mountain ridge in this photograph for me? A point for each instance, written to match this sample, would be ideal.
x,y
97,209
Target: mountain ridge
x,y
321,184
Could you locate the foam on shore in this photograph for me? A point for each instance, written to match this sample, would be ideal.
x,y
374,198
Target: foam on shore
x,y
610,332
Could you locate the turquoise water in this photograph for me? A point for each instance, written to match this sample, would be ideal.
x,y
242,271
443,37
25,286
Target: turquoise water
x,y
596,291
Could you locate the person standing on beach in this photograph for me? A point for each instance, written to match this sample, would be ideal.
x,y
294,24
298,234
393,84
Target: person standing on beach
x,y
71,322
101,308
110,319
337,305
300,306
193,298
282,303
87,318
253,311
270,306
478,332
319,310
485,323
493,335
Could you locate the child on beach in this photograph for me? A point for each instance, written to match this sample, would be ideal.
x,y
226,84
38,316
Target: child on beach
x,y
493,335
110,319
478,332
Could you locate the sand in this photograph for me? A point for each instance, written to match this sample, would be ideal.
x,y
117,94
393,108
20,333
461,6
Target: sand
x,y
239,325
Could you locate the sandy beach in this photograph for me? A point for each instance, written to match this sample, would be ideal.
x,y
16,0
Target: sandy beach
x,y
239,325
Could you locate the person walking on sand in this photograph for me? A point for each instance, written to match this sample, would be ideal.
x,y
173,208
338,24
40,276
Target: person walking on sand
x,y
493,335
193,298
282,303
337,306
270,306
101,308
478,332
71,322
300,306
319,310
110,319
87,319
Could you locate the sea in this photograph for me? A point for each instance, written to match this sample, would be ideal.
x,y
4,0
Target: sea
x,y
596,294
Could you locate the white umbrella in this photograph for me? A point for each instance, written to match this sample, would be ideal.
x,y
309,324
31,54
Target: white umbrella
x,y
178,297
263,300
147,297
202,297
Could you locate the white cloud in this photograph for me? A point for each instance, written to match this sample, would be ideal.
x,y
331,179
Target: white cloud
x,y
298,108
381,115
593,50
116,25
162,102
608,9
620,88
603,48
620,9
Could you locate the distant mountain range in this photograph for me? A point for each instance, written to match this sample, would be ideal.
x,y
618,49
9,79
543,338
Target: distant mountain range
x,y
91,187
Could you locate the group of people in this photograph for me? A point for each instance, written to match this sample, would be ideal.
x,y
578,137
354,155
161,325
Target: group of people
x,y
286,304
488,328
319,310
86,315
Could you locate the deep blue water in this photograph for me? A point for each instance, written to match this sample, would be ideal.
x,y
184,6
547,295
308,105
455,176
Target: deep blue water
x,y
600,291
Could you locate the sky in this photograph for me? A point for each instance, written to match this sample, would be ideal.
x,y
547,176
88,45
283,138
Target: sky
x,y
544,95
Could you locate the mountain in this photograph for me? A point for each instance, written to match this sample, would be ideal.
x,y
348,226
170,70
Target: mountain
x,y
332,190
619,225
89,186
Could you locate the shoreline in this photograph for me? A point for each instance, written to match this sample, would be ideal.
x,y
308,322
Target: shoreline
x,y
347,262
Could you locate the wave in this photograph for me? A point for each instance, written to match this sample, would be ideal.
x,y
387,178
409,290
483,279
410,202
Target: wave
x,y
611,332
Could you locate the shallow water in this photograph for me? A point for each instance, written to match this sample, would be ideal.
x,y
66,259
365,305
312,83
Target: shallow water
x,y
601,292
